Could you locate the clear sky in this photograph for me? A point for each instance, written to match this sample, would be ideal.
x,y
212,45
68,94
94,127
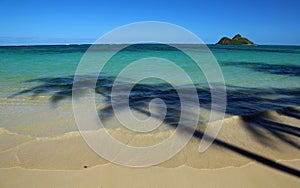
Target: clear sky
x,y
39,21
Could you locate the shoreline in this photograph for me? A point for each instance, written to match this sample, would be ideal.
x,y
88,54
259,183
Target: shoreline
x,y
31,151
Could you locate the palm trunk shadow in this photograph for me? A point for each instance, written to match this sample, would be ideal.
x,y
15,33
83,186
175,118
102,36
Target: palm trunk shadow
x,y
259,158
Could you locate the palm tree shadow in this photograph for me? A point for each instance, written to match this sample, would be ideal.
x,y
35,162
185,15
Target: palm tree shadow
x,y
286,70
261,123
291,112
240,101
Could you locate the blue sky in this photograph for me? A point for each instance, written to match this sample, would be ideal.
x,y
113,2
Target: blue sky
x,y
38,21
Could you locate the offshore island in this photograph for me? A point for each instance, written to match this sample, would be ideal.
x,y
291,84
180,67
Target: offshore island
x,y
236,40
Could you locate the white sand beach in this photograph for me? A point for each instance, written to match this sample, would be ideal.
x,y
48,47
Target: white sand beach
x,y
249,151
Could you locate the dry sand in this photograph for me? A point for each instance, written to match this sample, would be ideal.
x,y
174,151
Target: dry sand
x,y
251,175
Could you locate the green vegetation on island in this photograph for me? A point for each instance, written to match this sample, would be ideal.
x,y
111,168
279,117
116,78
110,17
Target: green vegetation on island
x,y
236,40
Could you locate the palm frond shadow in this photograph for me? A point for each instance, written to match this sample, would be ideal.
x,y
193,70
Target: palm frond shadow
x,y
291,112
245,102
286,70
256,123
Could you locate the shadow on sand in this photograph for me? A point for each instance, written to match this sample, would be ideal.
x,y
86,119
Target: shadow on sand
x,y
246,102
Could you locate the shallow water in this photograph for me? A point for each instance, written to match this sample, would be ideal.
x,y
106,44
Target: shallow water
x,y
244,66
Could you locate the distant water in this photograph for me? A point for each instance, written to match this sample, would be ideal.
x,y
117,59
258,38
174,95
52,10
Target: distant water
x,y
258,77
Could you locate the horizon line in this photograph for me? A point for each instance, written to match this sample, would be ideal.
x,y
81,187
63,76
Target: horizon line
x,y
78,44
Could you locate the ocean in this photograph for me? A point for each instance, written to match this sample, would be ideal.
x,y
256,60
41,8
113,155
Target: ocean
x,y
268,70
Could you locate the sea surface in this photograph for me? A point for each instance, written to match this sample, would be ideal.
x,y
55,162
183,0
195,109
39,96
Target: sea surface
x,y
257,78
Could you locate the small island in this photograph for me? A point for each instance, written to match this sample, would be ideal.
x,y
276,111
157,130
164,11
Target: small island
x,y
236,40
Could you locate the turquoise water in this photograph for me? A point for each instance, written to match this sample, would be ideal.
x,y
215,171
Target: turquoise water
x,y
272,71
